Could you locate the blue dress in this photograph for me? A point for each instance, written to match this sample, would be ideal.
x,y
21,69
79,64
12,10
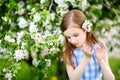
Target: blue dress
x,y
92,70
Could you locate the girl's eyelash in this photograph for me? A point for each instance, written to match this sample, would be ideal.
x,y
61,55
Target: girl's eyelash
x,y
76,35
68,37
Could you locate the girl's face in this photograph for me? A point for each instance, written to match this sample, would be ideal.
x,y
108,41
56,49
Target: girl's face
x,y
76,36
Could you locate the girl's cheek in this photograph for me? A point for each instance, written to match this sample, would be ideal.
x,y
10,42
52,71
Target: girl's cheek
x,y
79,38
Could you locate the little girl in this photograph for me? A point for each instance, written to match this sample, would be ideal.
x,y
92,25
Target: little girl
x,y
85,57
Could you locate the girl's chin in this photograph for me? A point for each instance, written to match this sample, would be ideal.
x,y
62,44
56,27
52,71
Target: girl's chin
x,y
79,46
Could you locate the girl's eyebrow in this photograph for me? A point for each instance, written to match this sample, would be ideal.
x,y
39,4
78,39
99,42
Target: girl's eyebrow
x,y
75,33
72,34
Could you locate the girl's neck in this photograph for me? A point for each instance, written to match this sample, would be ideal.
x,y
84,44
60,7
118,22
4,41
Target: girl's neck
x,y
86,44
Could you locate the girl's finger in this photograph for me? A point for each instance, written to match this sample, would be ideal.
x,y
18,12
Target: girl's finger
x,y
102,45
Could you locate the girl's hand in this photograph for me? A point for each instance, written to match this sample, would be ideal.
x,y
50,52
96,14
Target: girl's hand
x,y
101,51
88,51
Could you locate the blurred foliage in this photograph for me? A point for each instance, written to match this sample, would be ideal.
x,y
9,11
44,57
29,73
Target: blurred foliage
x,y
115,66
58,71
32,27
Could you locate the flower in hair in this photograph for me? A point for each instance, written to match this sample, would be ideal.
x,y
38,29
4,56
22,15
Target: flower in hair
x,y
87,25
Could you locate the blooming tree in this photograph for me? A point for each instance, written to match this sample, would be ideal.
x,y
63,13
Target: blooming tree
x,y
29,30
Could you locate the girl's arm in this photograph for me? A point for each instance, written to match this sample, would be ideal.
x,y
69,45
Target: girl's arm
x,y
102,57
75,74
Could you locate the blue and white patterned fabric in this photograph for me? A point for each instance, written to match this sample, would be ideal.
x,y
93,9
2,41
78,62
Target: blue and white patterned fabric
x,y
92,70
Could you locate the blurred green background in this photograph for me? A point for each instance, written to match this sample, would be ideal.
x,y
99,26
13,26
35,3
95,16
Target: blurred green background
x,y
41,40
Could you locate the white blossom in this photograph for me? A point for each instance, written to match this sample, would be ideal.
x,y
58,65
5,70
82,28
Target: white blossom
x,y
51,43
23,45
33,10
57,31
45,51
118,19
108,21
113,31
47,33
61,3
52,49
9,39
48,61
38,37
99,6
0,41
107,36
1,27
28,7
12,24
22,22
48,27
61,39
5,19
42,1
21,4
33,27
3,50
94,18
8,76
84,5
103,30
26,54
4,69
20,11
35,62
19,36
87,25
36,17
34,53
52,16
19,54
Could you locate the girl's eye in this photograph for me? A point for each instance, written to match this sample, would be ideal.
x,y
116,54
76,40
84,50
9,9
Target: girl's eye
x,y
76,35
68,37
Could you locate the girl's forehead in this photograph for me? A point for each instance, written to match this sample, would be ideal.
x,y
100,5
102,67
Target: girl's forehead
x,y
73,25
72,30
